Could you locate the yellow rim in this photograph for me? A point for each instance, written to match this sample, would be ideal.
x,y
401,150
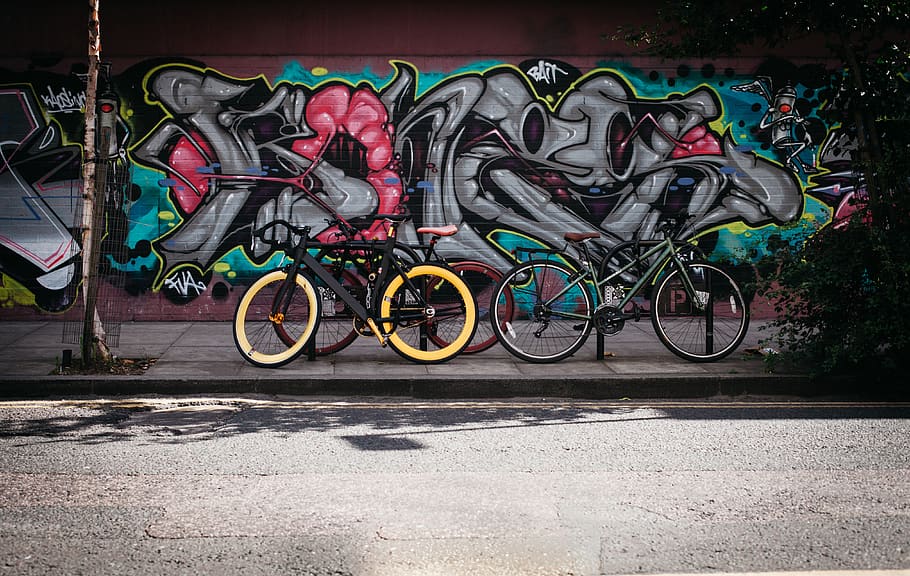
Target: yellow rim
x,y
467,331
240,320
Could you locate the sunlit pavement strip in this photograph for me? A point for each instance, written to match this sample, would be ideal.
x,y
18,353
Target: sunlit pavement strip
x,y
140,403
795,573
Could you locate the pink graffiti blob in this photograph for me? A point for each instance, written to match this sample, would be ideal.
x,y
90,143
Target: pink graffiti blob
x,y
696,141
185,159
336,110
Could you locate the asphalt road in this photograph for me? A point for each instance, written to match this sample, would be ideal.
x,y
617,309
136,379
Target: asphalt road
x,y
263,485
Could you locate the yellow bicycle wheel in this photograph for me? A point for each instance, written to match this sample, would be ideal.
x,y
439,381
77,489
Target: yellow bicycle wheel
x,y
270,339
450,312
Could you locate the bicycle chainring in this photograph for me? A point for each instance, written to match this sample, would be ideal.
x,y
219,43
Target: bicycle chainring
x,y
608,320
361,327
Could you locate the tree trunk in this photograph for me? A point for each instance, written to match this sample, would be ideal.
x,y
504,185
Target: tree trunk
x,y
94,347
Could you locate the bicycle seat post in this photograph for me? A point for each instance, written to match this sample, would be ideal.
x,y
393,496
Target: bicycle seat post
x,y
436,232
580,239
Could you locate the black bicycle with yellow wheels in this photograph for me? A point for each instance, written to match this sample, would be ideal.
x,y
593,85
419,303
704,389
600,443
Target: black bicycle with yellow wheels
x,y
353,261
424,311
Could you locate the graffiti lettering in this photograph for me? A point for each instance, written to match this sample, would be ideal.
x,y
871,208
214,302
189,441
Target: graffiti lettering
x,y
63,101
546,72
183,283
508,152
40,182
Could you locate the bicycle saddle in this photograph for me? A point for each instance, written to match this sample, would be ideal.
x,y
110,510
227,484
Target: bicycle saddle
x,y
579,236
438,230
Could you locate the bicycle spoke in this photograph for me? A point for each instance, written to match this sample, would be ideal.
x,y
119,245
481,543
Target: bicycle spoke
x,y
704,326
482,280
271,330
433,323
551,320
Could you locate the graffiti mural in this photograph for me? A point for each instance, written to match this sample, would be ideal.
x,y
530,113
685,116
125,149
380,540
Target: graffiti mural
x,y
40,190
508,152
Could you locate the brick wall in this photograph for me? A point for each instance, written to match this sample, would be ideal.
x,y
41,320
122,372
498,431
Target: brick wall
x,y
516,124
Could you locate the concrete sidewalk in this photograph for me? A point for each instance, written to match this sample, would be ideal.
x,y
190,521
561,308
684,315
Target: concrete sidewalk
x,y
200,358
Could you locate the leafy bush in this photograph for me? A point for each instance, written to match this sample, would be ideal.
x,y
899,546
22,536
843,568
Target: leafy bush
x,y
843,300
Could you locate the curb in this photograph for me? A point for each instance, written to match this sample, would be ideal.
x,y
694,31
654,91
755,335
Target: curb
x,y
612,388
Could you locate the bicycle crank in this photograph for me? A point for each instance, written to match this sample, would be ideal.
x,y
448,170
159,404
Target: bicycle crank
x,y
608,320
361,327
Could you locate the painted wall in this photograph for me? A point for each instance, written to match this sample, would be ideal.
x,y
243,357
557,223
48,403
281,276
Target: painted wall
x,y
510,150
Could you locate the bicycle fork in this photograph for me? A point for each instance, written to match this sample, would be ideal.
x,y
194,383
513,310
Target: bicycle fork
x,y
701,299
285,296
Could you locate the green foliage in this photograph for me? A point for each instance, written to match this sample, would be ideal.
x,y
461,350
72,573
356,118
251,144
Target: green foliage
x,y
705,28
842,297
842,300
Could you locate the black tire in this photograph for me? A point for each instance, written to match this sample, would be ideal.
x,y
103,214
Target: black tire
x,y
546,324
700,333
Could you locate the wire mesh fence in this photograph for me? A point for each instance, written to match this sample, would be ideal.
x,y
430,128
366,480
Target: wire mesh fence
x,y
110,304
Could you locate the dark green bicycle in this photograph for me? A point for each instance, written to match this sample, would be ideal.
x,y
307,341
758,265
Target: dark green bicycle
x,y
697,309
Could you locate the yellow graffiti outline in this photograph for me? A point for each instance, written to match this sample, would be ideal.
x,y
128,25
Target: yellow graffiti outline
x,y
168,116
559,257
509,254
721,125
12,293
49,120
501,248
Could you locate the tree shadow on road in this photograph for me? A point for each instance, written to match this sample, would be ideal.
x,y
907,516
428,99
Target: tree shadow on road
x,y
381,424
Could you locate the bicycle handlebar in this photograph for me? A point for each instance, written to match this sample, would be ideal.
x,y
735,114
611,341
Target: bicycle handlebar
x,y
302,231
670,226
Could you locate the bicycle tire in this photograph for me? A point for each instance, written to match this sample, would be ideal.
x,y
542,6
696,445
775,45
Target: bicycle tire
x,y
453,323
536,331
482,279
264,342
690,331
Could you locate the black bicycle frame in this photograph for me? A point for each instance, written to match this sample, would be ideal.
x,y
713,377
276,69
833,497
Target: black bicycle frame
x,y
388,264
